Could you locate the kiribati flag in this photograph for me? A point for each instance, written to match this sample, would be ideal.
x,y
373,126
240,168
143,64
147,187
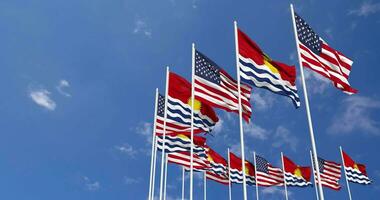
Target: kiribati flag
x,y
257,69
296,175
356,172
236,172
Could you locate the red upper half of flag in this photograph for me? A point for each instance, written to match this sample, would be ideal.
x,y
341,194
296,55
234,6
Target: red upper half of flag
x,y
235,163
249,49
297,170
349,162
216,157
180,88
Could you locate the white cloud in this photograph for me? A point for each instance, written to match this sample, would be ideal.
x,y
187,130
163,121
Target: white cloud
x,y
328,32
141,27
262,100
316,83
145,129
61,86
283,137
255,131
366,8
356,115
127,150
130,181
42,98
218,127
275,192
90,185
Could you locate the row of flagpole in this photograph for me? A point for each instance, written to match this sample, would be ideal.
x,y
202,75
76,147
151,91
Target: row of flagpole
x,y
162,191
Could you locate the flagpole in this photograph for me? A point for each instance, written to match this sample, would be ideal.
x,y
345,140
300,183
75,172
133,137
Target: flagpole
x,y
313,145
345,174
153,148
164,134
154,168
183,183
204,186
240,112
257,184
229,175
192,119
283,171
166,175
315,180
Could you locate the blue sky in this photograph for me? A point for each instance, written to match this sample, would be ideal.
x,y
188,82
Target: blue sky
x,y
78,80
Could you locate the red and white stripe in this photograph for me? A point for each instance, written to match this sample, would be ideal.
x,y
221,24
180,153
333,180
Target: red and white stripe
x,y
330,175
173,127
217,177
275,177
224,95
183,158
330,63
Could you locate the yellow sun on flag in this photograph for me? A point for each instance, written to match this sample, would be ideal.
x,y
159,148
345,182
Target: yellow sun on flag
x,y
246,168
182,136
197,104
356,166
269,65
298,173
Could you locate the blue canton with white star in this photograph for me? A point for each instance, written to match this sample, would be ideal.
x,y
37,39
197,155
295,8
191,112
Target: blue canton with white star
x,y
206,68
307,36
160,105
261,164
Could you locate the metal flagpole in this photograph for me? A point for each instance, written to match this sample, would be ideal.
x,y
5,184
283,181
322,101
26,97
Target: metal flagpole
x,y
183,183
314,148
204,186
166,175
192,119
283,171
153,148
154,169
240,112
229,175
345,174
257,184
315,180
164,134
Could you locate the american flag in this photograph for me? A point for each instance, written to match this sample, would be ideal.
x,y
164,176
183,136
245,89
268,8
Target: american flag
x,y
317,55
223,179
174,123
355,172
330,173
214,86
183,158
266,174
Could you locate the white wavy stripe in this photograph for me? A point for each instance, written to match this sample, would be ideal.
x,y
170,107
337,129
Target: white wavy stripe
x,y
295,181
334,185
332,169
321,69
332,65
342,57
276,82
355,176
160,123
265,68
188,120
266,177
185,163
201,116
269,86
177,145
355,180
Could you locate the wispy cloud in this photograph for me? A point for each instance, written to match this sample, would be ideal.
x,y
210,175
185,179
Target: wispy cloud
x,y
256,131
90,185
274,192
262,100
42,98
126,149
131,181
141,27
366,8
283,137
329,32
61,87
316,83
356,114
145,129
